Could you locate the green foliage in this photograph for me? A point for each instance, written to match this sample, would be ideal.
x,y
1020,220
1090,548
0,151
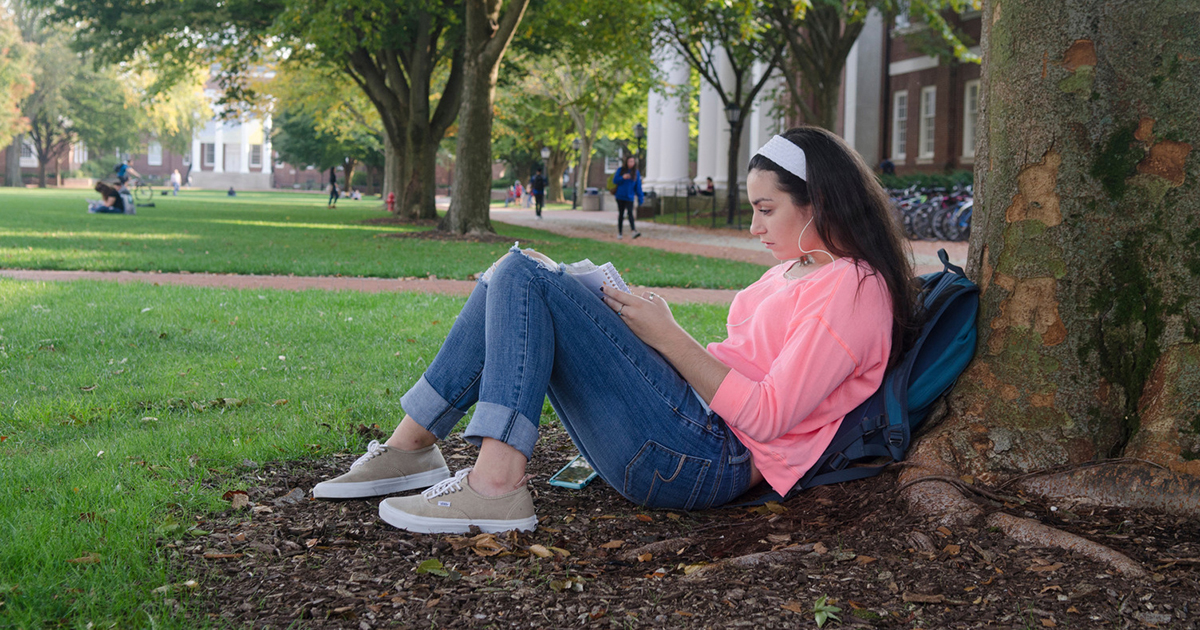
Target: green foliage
x,y
823,611
299,141
928,180
15,79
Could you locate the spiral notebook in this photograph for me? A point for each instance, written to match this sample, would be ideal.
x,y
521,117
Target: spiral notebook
x,y
595,277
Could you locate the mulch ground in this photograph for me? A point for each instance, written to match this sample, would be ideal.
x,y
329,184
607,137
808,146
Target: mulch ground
x,y
597,560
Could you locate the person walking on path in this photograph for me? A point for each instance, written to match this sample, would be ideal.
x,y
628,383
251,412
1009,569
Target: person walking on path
x,y
176,181
333,187
667,422
629,188
537,189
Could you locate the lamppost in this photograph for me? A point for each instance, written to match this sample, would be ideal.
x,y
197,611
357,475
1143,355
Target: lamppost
x,y
639,132
733,114
578,159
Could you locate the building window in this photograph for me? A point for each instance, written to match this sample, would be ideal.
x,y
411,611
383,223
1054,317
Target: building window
x,y
611,164
900,126
28,154
208,154
970,117
79,153
256,155
928,126
154,154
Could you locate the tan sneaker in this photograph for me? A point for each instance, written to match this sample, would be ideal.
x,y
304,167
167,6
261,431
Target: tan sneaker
x,y
386,470
452,507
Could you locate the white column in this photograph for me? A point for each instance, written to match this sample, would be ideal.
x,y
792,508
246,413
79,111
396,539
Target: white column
x,y
850,115
653,141
244,167
674,130
721,149
219,149
268,161
196,151
763,122
709,128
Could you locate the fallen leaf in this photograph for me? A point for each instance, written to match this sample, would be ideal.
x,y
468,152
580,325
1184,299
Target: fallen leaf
x,y
433,566
795,607
1073,610
1049,623
970,588
311,542
646,557
952,549
775,508
685,613
89,388
645,518
820,548
281,402
864,559
692,568
193,460
613,544
560,551
1045,568
191,584
87,558
1053,587
540,551
3,438
673,516
433,602
944,531
237,499
779,539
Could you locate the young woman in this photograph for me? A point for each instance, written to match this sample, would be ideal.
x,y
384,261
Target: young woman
x,y
665,421
629,187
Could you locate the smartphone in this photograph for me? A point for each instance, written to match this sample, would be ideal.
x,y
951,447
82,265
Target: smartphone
x,y
576,474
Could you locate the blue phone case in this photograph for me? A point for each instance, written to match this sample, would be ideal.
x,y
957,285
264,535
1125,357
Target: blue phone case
x,y
575,475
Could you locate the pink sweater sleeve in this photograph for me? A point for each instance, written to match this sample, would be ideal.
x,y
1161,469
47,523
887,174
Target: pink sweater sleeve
x,y
813,362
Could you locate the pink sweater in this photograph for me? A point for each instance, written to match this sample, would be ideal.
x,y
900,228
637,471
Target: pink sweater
x,y
803,353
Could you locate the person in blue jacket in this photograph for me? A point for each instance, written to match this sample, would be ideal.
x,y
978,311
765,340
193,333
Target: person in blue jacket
x,y
629,187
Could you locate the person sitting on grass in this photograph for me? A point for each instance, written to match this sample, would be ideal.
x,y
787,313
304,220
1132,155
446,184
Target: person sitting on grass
x,y
111,201
666,421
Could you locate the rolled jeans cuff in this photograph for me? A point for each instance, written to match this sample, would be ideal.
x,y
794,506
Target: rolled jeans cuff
x,y
430,410
501,423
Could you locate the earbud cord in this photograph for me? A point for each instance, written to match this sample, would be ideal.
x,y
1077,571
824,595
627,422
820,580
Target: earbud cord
x,y
809,252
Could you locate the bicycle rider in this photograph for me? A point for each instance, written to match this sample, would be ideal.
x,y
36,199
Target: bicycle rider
x,y
124,171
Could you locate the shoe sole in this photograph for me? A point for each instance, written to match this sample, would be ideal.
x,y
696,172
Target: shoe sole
x,y
431,525
379,487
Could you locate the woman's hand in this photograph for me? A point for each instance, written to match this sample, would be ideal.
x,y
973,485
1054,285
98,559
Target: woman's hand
x,y
648,316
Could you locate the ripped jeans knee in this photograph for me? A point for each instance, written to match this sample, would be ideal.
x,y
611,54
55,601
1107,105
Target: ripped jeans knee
x,y
541,259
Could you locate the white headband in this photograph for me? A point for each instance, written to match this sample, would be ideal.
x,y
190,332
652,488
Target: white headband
x,y
788,156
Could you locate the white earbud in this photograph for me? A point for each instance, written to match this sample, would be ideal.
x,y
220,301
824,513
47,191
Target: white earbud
x,y
800,243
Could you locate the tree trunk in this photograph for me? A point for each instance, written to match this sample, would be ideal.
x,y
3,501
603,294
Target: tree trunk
x,y
487,37
393,167
733,196
350,164
1086,245
41,171
12,164
585,165
555,167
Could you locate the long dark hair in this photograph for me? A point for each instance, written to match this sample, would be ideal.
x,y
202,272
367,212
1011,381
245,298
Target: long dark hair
x,y
853,217
625,167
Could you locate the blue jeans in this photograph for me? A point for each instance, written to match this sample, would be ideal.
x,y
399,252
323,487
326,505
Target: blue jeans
x,y
528,331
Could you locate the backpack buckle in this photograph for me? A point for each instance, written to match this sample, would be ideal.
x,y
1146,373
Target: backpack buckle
x,y
871,425
838,461
895,437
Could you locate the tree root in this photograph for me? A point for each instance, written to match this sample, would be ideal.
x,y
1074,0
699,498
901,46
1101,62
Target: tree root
x,y
749,561
940,499
1032,532
1126,485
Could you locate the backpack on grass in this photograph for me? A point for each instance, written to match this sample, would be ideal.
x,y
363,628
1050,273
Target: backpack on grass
x,y
878,431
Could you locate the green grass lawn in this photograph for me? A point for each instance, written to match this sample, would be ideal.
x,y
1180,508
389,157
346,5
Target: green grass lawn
x,y
294,233
124,409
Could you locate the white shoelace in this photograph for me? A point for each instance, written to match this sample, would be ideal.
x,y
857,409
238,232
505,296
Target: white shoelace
x,y
373,450
446,486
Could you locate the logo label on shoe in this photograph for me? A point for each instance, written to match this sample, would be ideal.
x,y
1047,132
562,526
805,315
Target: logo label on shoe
x,y
443,504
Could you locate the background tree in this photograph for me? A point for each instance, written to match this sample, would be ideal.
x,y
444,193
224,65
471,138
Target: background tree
x,y
488,31
1086,244
299,139
736,34
525,123
820,33
15,79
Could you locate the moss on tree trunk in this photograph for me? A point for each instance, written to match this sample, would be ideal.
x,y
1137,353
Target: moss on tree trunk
x,y
1085,241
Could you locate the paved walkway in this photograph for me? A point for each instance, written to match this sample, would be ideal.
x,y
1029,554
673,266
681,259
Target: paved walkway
x,y
716,243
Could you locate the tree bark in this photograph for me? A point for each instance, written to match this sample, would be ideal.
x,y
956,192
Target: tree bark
x,y
1086,244
487,36
733,196
12,164
555,167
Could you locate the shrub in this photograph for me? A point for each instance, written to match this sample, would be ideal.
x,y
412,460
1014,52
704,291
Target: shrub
x,y
928,180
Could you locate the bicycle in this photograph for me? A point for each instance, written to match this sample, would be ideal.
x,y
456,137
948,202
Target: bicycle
x,y
143,193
